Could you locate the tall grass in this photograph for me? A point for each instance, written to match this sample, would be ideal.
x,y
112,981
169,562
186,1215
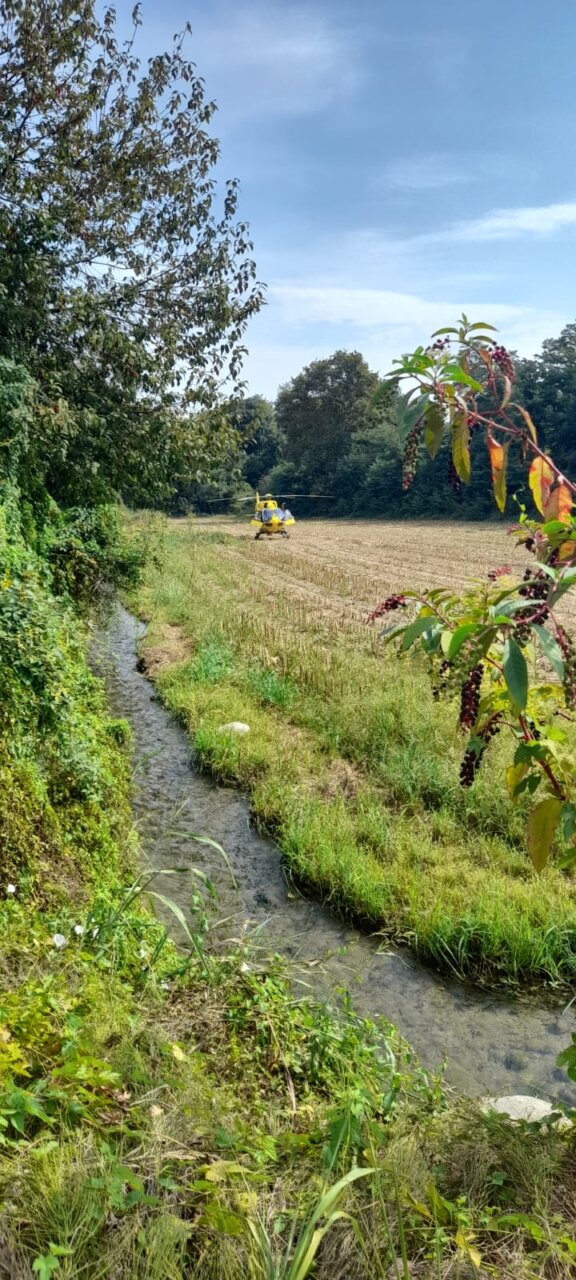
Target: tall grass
x,y
393,841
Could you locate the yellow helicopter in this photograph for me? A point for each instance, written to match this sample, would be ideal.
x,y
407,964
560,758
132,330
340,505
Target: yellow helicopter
x,y
269,518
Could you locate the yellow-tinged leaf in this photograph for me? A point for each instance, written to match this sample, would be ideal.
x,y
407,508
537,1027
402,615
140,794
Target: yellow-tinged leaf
x,y
540,479
514,774
461,448
567,550
527,419
219,1170
498,454
420,1208
542,825
178,1053
559,504
465,1243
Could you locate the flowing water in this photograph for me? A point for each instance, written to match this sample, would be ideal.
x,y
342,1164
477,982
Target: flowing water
x,y
493,1044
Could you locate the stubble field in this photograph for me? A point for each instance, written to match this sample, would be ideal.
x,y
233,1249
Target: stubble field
x,y
349,760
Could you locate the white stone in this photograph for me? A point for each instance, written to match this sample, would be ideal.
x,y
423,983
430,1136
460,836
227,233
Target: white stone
x,y
522,1106
235,726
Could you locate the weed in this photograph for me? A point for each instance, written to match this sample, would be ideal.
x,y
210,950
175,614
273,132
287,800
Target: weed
x,y
270,687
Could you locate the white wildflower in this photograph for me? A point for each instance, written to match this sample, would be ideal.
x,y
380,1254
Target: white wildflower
x,y
10,888
59,940
165,986
244,968
78,930
95,932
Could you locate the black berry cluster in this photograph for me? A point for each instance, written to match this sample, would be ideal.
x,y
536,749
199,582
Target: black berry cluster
x,y
536,587
569,654
503,359
470,697
441,344
440,685
472,758
387,606
411,455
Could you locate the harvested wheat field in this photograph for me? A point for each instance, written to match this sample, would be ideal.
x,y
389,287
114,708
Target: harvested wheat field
x,y
362,560
350,761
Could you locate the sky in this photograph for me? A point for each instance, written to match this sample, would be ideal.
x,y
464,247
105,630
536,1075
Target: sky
x,y
398,162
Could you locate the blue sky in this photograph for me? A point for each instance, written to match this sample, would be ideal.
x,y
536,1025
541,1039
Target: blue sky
x,y
399,162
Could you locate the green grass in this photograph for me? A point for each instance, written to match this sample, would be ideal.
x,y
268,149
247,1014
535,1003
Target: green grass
x,y
181,1116
394,842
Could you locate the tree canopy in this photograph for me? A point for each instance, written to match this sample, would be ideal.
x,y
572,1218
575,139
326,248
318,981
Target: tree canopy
x,y
548,386
320,410
126,280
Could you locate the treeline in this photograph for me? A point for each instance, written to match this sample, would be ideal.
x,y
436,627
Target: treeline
x,y
336,431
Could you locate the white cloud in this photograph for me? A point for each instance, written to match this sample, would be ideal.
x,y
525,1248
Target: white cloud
x,y
428,172
507,224
380,323
285,61
435,170
365,308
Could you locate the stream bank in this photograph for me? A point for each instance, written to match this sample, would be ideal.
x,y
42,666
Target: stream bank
x,y
493,1044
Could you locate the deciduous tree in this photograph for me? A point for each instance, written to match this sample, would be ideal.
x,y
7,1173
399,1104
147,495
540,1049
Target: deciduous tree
x,y
126,280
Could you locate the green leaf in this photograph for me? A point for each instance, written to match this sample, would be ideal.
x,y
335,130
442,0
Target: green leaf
x,y
480,325
434,429
416,629
460,636
542,825
461,448
515,774
521,1220
459,375
552,527
550,648
447,329
45,1265
568,817
564,582
515,673
411,413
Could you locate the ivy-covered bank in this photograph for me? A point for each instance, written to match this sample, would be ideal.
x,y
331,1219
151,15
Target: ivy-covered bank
x,y
171,1114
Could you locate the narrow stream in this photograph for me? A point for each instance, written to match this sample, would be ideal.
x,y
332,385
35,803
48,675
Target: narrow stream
x,y
493,1044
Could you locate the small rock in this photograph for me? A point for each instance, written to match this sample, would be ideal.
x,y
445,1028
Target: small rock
x,y
235,726
522,1106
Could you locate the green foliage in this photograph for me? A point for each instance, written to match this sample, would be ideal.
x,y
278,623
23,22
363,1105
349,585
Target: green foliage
x,y
86,551
255,420
502,643
166,1115
212,662
547,388
270,686
126,281
319,411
